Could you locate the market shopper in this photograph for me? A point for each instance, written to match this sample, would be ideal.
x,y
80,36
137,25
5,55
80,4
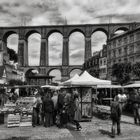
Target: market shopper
x,y
36,110
77,112
55,102
136,108
122,99
48,109
61,109
116,116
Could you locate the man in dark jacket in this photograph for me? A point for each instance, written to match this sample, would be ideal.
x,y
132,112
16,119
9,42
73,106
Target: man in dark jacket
x,y
48,108
116,116
135,100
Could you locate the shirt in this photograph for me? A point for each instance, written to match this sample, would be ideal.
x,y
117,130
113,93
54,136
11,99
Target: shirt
x,y
34,102
55,99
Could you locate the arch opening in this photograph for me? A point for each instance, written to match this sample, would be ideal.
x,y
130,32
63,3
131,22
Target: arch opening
x,y
98,39
75,71
76,48
12,46
119,32
121,29
34,45
31,72
57,75
55,43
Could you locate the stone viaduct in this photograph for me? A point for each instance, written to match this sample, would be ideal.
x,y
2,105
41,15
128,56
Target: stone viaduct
x,y
66,30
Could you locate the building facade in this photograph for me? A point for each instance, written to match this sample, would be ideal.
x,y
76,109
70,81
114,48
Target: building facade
x,y
92,65
103,63
13,74
8,71
123,48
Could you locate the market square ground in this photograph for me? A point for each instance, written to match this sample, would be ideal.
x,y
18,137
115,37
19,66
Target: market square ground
x,y
97,129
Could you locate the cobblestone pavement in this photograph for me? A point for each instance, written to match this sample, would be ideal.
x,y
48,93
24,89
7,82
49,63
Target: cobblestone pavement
x,y
97,129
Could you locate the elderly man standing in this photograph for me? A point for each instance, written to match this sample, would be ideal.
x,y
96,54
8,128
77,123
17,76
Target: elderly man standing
x,y
116,116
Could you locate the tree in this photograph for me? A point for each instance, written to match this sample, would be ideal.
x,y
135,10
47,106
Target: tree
x,y
136,69
122,72
12,54
94,72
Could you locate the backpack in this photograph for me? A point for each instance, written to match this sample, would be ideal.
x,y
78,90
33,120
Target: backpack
x,y
114,111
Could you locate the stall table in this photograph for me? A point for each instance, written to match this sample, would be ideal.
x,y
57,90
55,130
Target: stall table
x,y
102,111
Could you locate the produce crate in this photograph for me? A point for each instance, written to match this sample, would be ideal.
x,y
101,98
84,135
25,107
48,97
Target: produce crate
x,y
26,120
13,120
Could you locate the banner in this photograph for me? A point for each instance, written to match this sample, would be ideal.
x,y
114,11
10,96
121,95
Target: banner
x,y
1,58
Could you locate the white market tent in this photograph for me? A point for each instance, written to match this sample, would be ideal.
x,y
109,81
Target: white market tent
x,y
135,85
2,81
87,80
68,82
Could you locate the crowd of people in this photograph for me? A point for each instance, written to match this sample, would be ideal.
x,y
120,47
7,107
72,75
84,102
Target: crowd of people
x,y
118,105
56,109
60,108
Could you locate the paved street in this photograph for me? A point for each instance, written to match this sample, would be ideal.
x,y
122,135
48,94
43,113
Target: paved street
x,y
97,129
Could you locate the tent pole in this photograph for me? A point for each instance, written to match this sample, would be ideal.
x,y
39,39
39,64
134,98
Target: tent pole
x,y
96,93
110,95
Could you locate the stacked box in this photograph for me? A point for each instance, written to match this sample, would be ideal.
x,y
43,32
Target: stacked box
x,y
13,120
26,120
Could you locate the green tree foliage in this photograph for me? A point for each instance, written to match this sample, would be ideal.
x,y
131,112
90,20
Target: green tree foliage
x,y
94,72
136,69
12,54
122,72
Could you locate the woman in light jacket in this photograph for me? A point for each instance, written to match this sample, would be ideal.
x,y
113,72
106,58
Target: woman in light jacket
x,y
77,112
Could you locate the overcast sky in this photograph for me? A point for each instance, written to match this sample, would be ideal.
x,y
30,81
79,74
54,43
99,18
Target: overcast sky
x,y
54,12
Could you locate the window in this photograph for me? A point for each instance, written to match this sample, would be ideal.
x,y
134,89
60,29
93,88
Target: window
x,y
138,44
119,60
114,53
131,59
119,41
0,47
138,36
93,62
131,49
109,46
101,62
131,38
125,40
120,51
114,43
114,61
104,61
125,60
125,50
109,55
96,61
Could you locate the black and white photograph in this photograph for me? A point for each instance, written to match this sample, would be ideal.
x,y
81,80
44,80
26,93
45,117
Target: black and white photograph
x,y
69,69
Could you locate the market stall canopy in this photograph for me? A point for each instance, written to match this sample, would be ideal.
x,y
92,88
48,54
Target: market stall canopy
x,y
68,82
87,80
52,87
109,86
135,85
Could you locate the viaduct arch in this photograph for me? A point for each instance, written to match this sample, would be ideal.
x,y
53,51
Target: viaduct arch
x,y
66,30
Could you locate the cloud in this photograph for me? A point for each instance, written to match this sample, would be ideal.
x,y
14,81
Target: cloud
x,y
54,12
